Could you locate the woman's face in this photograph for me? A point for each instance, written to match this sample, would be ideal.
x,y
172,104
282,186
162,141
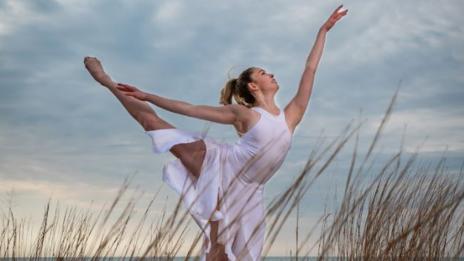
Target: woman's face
x,y
264,80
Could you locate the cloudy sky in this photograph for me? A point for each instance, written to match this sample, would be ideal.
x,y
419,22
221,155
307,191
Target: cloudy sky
x,y
64,137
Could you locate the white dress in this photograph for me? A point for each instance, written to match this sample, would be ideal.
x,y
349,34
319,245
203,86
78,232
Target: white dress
x,y
233,173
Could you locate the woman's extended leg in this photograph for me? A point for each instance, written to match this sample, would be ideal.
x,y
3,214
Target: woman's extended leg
x,y
191,154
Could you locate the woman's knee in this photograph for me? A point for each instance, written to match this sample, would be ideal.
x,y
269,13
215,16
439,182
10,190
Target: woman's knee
x,y
191,155
192,150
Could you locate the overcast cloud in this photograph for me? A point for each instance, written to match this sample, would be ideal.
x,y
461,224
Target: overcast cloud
x,y
63,136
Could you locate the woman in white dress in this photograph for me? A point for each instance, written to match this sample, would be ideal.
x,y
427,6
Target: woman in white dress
x,y
222,184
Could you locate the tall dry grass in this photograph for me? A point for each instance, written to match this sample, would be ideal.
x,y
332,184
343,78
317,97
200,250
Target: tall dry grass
x,y
403,211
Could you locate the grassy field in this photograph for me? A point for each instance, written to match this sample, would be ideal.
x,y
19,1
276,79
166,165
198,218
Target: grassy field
x,y
406,210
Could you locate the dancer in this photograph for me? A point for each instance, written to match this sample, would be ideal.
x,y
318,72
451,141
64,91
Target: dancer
x,y
222,184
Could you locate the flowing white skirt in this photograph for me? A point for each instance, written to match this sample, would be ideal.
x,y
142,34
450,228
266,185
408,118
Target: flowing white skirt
x,y
241,213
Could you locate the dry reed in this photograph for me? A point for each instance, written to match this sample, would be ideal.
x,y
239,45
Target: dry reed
x,y
403,211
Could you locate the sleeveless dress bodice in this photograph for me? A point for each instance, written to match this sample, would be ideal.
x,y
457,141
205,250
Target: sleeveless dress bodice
x,y
231,182
266,143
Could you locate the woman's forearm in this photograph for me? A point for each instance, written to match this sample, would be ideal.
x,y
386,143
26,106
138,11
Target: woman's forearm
x,y
307,79
171,105
316,52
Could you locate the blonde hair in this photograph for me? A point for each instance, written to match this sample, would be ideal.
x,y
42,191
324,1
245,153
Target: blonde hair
x,y
238,89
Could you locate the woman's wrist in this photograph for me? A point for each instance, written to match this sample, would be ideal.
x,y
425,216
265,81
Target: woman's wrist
x,y
323,29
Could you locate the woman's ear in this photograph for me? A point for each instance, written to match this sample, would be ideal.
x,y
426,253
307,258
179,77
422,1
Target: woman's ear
x,y
252,87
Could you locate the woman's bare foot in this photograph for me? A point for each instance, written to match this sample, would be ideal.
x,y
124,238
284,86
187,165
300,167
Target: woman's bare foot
x,y
217,253
95,69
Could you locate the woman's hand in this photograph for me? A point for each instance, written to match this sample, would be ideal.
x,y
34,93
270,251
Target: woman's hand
x,y
132,91
334,17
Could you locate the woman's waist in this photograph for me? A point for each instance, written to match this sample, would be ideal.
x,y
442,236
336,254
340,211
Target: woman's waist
x,y
265,155
253,145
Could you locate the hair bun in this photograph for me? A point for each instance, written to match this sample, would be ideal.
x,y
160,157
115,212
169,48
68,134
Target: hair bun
x,y
237,89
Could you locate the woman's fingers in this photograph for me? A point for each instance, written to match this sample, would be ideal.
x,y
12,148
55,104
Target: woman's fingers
x,y
133,94
130,94
342,13
339,14
127,86
334,17
123,89
339,11
125,93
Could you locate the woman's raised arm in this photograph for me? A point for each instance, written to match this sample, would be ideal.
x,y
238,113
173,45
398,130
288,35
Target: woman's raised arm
x,y
221,114
296,108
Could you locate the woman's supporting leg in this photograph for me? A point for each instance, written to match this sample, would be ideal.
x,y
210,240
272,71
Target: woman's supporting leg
x,y
191,154
217,251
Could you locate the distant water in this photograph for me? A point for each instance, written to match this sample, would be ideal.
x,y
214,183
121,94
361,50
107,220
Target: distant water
x,y
282,258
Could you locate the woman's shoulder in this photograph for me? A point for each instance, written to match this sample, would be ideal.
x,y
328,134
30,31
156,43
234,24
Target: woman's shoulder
x,y
245,117
245,112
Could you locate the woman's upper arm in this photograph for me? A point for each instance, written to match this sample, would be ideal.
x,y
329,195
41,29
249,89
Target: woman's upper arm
x,y
296,108
225,114
293,114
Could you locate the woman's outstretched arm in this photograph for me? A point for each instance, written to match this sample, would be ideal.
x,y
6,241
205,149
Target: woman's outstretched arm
x,y
296,108
221,114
